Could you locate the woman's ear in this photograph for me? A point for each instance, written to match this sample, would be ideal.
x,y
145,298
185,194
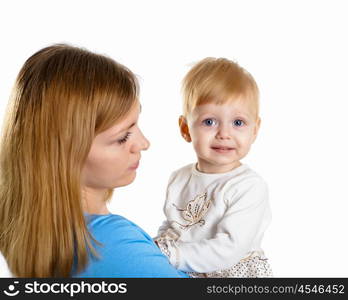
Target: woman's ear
x,y
184,130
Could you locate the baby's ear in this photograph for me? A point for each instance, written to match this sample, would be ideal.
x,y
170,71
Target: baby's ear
x,y
257,127
184,130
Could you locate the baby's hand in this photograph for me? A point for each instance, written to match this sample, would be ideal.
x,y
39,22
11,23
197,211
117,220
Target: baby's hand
x,y
169,234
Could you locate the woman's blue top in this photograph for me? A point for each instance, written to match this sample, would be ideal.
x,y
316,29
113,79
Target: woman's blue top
x,y
126,251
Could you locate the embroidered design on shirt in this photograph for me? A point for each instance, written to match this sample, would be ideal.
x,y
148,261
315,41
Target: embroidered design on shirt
x,y
195,210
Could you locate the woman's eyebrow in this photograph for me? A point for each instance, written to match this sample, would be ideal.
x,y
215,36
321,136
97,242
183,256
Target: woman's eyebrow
x,y
121,130
124,129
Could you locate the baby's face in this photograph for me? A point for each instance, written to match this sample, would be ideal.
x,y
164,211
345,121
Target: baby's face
x,y
222,134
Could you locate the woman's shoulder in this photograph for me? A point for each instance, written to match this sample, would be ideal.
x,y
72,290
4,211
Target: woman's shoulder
x,y
125,250
114,226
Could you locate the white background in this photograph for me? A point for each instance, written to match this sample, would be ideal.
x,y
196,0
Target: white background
x,y
297,52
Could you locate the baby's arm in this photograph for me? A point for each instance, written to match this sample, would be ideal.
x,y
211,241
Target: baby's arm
x,y
163,228
243,222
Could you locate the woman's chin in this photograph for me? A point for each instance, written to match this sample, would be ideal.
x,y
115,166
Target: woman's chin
x,y
127,180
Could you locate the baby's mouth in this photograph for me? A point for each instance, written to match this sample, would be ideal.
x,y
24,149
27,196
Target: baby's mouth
x,y
222,149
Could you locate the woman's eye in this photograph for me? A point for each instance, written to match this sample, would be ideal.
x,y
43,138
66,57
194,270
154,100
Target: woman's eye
x,y
238,123
209,122
124,139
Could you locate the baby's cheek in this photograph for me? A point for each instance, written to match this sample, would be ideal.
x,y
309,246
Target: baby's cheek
x,y
246,146
206,136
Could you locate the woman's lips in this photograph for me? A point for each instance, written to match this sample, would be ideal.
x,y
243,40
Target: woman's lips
x,y
222,149
134,166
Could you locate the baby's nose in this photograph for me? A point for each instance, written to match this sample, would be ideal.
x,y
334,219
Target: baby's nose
x,y
223,133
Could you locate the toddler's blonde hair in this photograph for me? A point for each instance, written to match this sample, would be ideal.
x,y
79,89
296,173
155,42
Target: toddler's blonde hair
x,y
218,80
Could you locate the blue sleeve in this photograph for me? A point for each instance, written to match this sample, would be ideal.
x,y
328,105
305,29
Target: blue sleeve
x,y
126,251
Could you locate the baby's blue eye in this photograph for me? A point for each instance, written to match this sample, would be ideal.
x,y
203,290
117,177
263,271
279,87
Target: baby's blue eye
x,y
238,123
209,122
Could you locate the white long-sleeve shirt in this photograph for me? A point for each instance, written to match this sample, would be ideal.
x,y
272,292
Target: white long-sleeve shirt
x,y
213,220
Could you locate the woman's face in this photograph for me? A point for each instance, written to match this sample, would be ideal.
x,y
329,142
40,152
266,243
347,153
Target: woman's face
x,y
115,154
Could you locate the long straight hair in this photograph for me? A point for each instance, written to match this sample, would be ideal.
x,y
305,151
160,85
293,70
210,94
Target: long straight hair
x,y
63,97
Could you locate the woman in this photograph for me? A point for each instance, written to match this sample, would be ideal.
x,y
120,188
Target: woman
x,y
71,136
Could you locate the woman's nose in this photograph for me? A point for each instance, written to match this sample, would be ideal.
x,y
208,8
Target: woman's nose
x,y
141,143
145,143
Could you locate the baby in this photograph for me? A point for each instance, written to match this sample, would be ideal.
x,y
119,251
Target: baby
x,y
217,209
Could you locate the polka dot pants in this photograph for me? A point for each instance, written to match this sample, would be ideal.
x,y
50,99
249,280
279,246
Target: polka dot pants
x,y
252,266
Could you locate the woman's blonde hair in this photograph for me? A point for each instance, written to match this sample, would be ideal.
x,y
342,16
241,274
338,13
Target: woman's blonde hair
x,y
218,80
62,98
